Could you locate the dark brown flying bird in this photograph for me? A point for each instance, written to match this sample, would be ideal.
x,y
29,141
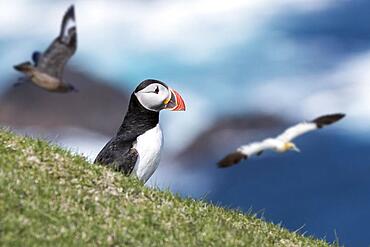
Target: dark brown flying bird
x,y
47,68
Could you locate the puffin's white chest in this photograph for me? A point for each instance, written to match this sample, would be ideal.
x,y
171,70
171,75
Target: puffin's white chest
x,y
149,146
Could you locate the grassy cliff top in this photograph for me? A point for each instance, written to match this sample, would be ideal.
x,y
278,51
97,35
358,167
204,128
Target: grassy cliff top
x,y
49,197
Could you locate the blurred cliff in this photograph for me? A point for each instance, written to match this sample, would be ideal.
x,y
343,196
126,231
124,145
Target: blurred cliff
x,y
97,106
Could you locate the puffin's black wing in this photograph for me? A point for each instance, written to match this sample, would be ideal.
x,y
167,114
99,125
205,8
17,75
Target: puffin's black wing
x,y
52,61
119,154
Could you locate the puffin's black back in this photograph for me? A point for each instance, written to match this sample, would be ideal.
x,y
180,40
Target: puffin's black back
x,y
119,151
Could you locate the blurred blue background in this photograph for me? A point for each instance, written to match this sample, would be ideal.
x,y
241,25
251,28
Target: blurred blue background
x,y
246,69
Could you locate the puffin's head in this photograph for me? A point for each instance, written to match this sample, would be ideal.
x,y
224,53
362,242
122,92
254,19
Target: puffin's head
x,y
155,95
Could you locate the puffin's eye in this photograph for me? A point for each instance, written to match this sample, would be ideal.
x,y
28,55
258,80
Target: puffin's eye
x,y
156,90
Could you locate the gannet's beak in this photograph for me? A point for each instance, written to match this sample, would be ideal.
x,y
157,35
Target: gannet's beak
x,y
292,146
174,102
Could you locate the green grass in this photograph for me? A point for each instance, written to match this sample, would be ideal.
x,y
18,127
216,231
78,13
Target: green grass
x,y
49,197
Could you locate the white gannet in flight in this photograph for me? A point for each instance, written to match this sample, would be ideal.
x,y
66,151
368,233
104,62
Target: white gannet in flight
x,y
282,143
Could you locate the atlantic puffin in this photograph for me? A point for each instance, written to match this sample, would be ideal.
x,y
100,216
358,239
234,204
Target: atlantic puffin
x,y
282,143
47,68
136,148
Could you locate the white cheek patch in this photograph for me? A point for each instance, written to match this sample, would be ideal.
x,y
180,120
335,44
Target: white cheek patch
x,y
163,95
151,100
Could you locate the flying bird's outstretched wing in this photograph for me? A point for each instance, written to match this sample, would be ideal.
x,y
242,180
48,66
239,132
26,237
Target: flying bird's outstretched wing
x,y
53,60
244,152
257,148
305,127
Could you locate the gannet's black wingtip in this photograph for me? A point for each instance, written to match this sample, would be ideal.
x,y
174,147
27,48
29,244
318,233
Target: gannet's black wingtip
x,y
328,119
231,159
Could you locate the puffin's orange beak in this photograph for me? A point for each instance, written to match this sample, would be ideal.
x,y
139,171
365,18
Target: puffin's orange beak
x,y
175,102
